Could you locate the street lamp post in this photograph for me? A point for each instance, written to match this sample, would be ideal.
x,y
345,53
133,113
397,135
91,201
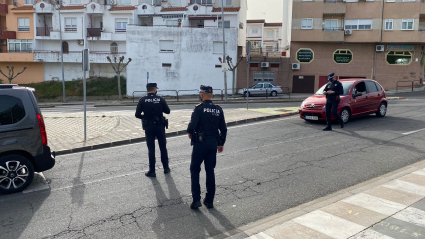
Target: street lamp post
x,y
61,46
224,49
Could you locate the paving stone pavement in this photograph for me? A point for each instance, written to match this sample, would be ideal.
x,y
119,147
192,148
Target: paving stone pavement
x,y
66,131
392,210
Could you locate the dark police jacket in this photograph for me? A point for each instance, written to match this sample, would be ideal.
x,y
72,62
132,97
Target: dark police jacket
x,y
152,107
208,118
338,90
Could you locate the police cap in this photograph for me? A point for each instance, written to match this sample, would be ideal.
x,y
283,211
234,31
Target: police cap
x,y
331,75
206,89
149,85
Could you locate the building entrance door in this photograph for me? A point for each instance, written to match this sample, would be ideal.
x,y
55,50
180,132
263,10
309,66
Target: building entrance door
x,y
303,84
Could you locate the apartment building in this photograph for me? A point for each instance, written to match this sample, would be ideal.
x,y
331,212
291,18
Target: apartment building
x,y
379,39
179,42
17,41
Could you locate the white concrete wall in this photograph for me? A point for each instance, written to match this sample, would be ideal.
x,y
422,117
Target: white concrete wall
x,y
193,61
73,71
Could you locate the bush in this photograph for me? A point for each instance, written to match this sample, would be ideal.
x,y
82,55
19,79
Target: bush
x,y
1,81
95,87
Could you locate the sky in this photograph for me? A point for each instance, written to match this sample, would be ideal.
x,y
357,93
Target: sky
x,y
271,10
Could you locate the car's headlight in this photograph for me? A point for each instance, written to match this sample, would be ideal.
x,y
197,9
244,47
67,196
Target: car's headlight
x,y
302,104
324,107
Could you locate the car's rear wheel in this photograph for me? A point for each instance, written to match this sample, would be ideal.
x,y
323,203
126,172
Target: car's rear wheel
x,y
382,110
274,93
16,173
345,115
245,94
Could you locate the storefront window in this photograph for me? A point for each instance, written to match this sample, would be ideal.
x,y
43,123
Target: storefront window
x,y
305,55
399,57
343,56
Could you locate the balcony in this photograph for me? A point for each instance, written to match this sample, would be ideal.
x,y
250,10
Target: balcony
x,y
94,32
16,56
334,7
100,56
335,34
202,2
8,35
3,8
44,31
264,52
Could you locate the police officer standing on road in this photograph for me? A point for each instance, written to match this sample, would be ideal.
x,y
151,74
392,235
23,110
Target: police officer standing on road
x,y
333,91
207,119
154,124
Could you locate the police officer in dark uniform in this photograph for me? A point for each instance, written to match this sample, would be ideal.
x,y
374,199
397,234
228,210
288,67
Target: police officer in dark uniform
x,y
154,124
333,91
207,119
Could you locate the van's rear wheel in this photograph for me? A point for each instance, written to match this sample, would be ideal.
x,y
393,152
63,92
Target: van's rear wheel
x,y
16,173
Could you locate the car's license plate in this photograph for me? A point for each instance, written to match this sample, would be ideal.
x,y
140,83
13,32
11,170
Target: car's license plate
x,y
312,117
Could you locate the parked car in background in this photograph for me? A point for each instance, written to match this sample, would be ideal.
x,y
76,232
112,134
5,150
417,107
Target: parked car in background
x,y
23,139
262,89
361,97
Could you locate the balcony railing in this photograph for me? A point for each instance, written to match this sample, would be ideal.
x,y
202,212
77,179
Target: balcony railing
x,y
333,29
8,35
120,30
16,51
3,8
70,29
94,32
44,31
334,1
202,2
267,52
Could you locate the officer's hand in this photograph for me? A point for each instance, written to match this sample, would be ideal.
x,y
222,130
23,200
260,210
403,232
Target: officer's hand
x,y
330,92
220,149
190,136
324,92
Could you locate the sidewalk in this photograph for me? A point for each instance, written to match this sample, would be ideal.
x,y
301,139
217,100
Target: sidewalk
x,y
66,133
390,206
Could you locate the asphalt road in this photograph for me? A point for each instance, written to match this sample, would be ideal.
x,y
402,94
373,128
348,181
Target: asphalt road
x,y
267,167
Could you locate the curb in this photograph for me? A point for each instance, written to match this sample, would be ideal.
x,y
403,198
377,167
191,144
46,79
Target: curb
x,y
219,102
170,134
395,98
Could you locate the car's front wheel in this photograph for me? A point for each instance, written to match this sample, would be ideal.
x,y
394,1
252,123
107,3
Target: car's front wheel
x,y
245,94
16,173
345,115
274,93
382,110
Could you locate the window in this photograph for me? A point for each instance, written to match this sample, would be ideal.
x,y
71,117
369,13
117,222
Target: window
x,y
175,2
145,1
71,24
399,57
407,24
114,48
125,2
227,3
226,24
217,66
331,25
29,2
218,47
258,86
166,46
378,87
360,88
20,45
359,24
202,2
274,65
11,110
255,30
269,48
172,23
264,76
371,87
23,24
254,65
65,47
345,85
166,64
389,24
409,0
75,1
121,25
390,0
307,23
270,34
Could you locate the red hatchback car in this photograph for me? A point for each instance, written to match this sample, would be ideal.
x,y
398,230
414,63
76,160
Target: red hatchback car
x,y
361,97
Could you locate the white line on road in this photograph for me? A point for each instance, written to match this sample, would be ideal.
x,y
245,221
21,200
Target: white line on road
x,y
412,132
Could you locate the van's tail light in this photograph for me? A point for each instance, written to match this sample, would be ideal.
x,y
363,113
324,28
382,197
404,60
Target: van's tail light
x,y
42,129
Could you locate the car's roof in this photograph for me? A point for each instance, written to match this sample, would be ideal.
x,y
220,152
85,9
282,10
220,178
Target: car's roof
x,y
14,87
353,80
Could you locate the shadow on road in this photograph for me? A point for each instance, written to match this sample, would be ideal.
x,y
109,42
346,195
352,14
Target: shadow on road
x,y
78,189
175,219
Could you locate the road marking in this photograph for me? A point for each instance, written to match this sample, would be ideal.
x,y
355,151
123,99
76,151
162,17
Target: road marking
x,y
412,132
375,204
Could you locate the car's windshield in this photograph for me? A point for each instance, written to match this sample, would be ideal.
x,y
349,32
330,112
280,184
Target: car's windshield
x,y
345,85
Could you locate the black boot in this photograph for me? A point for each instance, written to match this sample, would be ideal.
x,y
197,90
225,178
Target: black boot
x,y
328,128
196,205
151,173
342,125
167,170
208,204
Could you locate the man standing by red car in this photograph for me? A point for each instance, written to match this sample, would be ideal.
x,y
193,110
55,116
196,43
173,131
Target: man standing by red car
x,y
333,90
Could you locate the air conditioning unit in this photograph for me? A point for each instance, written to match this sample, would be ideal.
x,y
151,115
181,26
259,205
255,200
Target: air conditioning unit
x,y
265,64
180,20
3,42
80,42
296,66
380,48
348,32
15,2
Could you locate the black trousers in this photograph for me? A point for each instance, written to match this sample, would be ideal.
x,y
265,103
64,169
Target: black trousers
x,y
157,131
332,107
204,152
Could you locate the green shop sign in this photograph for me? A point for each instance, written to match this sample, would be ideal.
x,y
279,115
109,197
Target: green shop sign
x,y
305,55
343,56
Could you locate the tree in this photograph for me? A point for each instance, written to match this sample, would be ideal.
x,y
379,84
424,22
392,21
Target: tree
x,y
232,68
11,75
118,68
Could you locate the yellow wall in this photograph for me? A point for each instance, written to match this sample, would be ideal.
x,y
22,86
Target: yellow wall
x,y
33,73
12,22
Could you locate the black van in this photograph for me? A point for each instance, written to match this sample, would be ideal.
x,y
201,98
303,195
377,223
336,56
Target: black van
x,y
23,139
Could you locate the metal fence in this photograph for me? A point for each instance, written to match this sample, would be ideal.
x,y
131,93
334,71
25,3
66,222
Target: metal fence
x,y
409,84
